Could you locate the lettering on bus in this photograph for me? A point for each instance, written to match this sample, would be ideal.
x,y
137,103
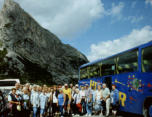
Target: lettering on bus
x,y
93,84
122,98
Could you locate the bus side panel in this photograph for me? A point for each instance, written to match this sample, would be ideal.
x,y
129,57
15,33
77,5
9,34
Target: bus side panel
x,y
131,92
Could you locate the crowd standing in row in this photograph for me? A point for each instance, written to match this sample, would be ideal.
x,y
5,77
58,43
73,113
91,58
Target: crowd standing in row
x,y
42,101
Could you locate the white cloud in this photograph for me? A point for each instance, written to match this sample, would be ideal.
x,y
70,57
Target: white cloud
x,y
116,10
65,18
107,48
135,19
149,2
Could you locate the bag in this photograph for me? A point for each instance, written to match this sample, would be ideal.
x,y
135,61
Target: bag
x,y
18,107
79,106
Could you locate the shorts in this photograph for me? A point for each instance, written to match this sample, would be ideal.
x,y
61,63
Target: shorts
x,y
42,111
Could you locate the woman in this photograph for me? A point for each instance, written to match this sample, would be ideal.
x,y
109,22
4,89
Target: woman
x,y
26,102
89,103
50,114
114,99
43,102
98,100
54,104
83,99
35,100
73,92
61,101
77,100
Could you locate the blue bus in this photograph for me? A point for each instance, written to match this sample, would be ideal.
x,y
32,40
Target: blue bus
x,y
130,71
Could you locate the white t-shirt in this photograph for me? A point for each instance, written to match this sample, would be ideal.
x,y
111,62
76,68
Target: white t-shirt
x,y
54,98
77,98
98,95
82,93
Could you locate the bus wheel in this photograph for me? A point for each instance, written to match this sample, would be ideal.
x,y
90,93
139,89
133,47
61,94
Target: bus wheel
x,y
150,110
147,111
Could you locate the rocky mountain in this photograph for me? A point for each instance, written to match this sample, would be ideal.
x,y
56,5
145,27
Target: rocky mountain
x,y
32,53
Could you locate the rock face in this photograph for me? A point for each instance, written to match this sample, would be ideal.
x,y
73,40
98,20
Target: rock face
x,y
31,52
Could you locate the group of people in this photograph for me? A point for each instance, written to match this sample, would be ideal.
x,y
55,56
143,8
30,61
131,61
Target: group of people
x,y
43,101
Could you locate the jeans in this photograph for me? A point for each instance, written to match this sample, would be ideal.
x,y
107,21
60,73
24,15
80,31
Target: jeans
x,y
61,109
34,111
89,108
83,103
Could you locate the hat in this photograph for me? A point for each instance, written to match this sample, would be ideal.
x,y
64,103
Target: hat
x,y
66,85
76,85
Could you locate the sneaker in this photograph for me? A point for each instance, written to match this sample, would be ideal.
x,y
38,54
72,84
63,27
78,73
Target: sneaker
x,y
107,115
101,114
86,115
89,115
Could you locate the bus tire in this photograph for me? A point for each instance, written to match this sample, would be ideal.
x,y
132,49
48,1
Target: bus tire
x,y
147,111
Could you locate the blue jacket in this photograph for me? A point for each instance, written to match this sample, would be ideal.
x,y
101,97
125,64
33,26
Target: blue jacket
x,y
114,96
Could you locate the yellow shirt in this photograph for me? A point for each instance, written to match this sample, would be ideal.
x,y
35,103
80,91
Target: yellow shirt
x,y
68,92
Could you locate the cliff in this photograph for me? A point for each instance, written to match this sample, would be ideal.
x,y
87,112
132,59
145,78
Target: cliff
x,y
32,53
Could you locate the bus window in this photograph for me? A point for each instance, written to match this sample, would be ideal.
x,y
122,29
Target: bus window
x,y
128,62
83,73
147,59
108,67
94,71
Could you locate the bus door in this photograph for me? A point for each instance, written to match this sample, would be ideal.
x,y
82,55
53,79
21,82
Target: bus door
x,y
108,81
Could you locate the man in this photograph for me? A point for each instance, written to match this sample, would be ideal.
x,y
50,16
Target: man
x,y
67,92
14,101
106,97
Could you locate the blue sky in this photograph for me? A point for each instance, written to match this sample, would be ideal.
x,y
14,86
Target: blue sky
x,y
135,14
97,28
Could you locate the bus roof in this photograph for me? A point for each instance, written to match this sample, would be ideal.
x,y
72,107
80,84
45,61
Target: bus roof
x,y
17,80
98,60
